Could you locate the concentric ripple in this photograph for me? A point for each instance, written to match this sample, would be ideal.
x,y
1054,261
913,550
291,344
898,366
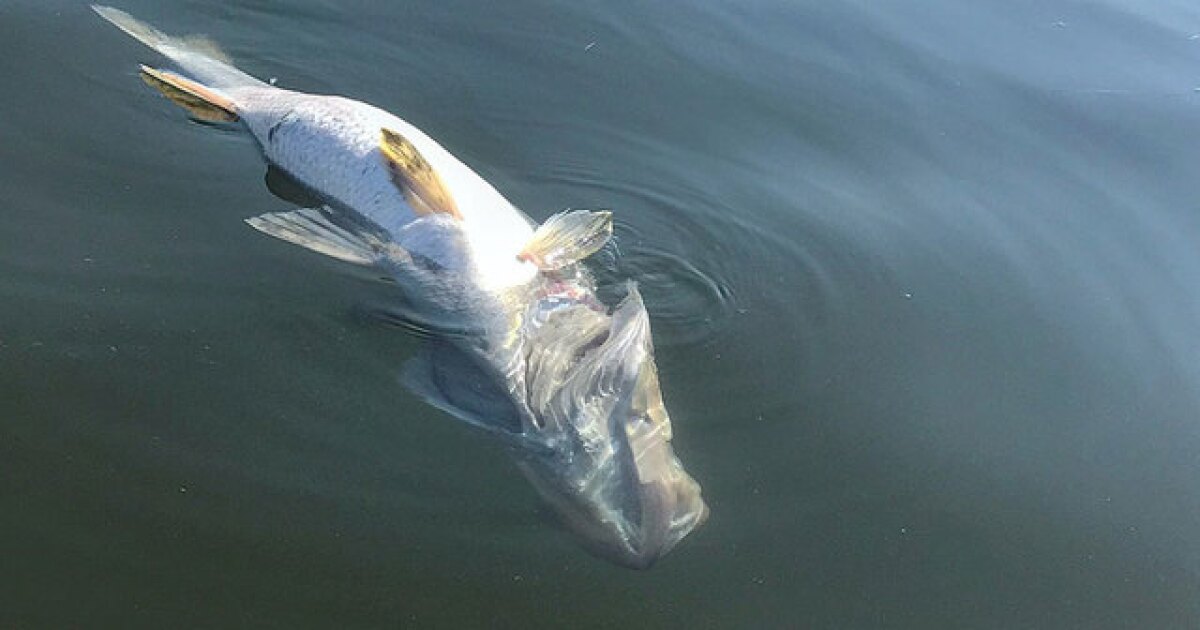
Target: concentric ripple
x,y
687,305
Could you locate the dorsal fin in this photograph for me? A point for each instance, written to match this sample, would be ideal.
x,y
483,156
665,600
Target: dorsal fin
x,y
202,102
416,179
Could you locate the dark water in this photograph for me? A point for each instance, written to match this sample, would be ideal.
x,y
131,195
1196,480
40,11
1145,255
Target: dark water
x,y
924,279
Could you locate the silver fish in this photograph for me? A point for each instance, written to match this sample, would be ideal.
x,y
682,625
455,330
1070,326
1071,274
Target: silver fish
x,y
522,348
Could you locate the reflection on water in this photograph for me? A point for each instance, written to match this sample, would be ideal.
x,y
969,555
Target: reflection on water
x,y
923,279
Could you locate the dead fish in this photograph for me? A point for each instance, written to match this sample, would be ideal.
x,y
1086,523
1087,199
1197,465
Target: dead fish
x,y
524,351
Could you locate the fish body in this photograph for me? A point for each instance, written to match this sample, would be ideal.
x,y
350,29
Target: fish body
x,y
332,145
522,348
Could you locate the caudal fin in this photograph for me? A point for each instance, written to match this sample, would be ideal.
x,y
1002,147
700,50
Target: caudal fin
x,y
198,56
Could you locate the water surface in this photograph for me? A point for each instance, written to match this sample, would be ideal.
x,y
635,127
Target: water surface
x,y
924,279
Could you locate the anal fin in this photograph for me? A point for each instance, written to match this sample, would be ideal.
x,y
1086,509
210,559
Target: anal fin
x,y
446,378
202,102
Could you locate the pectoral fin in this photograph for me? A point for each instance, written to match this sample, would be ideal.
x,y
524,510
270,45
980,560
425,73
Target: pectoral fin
x,y
311,229
414,176
567,238
202,102
446,378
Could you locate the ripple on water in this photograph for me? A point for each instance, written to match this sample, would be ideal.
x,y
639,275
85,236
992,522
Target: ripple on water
x,y
686,305
712,260
675,260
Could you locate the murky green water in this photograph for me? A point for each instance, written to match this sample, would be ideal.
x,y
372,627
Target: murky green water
x,y
924,280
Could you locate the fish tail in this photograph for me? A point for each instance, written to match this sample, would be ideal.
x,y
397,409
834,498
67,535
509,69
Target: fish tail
x,y
199,57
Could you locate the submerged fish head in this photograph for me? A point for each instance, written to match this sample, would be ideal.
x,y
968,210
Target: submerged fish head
x,y
610,473
574,391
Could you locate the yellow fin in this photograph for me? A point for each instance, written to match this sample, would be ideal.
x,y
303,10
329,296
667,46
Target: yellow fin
x,y
416,179
201,102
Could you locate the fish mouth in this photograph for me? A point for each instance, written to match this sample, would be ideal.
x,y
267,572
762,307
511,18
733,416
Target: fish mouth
x,y
667,511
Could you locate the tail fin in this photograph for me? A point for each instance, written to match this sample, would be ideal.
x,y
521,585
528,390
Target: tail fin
x,y
199,57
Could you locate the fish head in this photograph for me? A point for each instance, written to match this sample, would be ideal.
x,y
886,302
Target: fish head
x,y
573,391
610,471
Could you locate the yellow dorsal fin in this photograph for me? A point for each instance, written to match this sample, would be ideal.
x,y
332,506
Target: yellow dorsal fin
x,y
416,179
201,102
